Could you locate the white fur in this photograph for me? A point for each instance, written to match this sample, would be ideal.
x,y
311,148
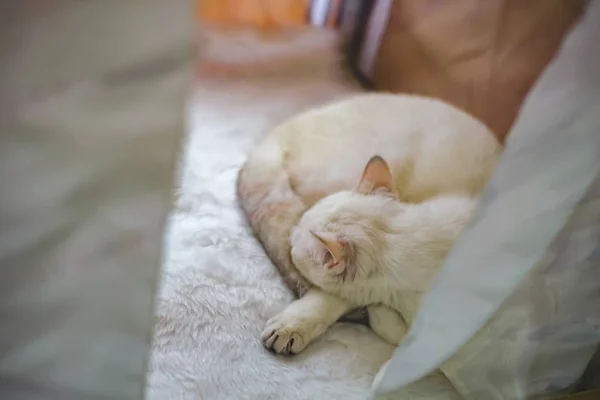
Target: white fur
x,y
393,232
219,289
431,147
439,159
399,248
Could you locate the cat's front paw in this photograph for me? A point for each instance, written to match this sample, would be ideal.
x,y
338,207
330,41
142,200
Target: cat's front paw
x,y
290,331
287,333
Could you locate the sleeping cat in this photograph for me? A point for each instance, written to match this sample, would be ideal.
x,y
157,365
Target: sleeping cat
x,y
367,248
334,245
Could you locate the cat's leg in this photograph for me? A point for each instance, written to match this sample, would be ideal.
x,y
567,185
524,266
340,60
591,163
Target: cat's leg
x,y
387,323
379,375
303,321
390,326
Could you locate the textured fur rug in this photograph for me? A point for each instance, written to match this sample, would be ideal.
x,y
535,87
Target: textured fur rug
x,y
218,287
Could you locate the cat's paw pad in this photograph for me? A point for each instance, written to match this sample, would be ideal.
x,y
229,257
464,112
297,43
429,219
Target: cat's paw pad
x,y
285,334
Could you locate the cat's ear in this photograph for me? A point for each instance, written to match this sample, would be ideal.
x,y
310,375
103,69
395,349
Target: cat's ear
x,y
334,247
376,177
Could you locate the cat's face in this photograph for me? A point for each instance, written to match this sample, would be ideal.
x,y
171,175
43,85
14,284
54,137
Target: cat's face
x,y
340,239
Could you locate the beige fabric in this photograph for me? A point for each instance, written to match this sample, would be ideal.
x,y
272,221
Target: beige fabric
x,y
92,109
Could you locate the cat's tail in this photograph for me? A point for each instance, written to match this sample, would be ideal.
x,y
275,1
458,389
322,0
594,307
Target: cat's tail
x,y
272,208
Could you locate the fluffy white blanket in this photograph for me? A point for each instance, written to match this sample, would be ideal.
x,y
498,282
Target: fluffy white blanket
x,y
219,288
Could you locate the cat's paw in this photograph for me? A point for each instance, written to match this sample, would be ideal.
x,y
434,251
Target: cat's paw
x,y
387,323
287,333
290,331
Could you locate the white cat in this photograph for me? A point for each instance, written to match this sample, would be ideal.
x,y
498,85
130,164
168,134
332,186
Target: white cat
x,y
340,246
366,248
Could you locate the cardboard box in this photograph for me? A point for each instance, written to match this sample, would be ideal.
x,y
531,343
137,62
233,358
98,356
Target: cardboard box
x,y
481,55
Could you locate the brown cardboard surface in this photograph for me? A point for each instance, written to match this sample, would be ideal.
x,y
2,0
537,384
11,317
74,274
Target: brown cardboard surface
x,y
481,55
